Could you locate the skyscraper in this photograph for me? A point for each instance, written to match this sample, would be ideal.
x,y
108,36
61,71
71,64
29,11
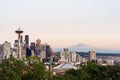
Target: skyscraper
x,y
92,55
62,56
32,46
6,50
48,51
42,55
65,55
73,56
27,41
28,52
38,47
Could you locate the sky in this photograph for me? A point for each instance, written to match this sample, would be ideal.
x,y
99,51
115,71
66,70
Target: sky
x,y
62,23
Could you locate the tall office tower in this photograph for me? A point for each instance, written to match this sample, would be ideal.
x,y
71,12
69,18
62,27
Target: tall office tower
x,y
32,46
28,52
73,56
27,41
92,55
6,50
48,50
24,46
65,55
42,55
62,56
38,47
19,32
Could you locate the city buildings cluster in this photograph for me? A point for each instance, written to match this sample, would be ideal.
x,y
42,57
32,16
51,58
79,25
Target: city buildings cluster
x,y
65,59
71,57
23,48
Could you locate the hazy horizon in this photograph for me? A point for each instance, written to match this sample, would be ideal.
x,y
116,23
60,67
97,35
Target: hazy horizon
x,y
63,23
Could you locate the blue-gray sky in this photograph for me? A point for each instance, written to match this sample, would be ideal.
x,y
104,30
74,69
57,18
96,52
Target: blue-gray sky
x,y
62,23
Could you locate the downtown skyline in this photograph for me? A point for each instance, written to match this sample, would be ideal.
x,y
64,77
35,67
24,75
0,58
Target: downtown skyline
x,y
63,23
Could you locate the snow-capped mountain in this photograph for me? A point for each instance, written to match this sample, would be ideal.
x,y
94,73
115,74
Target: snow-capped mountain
x,y
85,48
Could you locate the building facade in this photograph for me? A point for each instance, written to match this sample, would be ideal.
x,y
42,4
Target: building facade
x,y
32,46
38,47
6,50
73,57
27,41
92,55
48,51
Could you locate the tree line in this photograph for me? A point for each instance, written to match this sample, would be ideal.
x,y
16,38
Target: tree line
x,y
13,69
92,71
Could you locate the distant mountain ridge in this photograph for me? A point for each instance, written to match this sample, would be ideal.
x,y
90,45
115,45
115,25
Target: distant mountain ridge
x,y
85,48
81,45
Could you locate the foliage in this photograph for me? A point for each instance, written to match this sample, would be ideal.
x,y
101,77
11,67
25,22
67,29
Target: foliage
x,y
36,72
13,69
92,71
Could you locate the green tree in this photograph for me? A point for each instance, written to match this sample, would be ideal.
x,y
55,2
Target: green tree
x,y
11,69
114,72
92,71
36,71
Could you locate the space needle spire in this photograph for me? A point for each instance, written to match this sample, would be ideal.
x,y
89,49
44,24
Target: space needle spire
x,y
19,32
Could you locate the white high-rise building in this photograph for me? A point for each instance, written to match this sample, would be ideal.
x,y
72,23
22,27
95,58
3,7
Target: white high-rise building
x,y
42,55
73,57
62,56
6,50
92,55
70,57
38,47
65,55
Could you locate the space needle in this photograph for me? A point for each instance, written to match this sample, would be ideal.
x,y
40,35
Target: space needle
x,y
19,32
